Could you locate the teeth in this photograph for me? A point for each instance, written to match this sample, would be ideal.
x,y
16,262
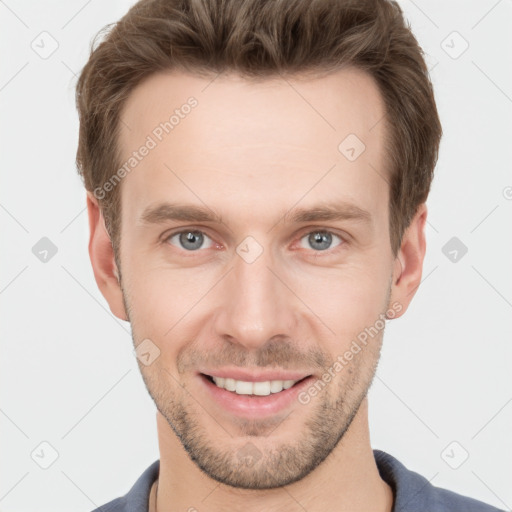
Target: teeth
x,y
276,386
230,384
241,387
261,388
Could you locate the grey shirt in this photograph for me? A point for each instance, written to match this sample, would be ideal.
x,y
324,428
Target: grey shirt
x,y
412,492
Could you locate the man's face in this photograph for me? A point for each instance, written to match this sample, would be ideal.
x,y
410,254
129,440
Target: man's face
x,y
261,290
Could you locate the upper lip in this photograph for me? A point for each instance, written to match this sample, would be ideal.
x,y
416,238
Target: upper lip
x,y
255,375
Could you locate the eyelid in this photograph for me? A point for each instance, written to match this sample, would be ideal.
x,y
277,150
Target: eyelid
x,y
182,229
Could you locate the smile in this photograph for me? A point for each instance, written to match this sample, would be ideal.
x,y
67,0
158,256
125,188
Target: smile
x,y
241,387
253,399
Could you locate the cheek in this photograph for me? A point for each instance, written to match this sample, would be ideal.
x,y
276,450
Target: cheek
x,y
156,310
347,299
163,300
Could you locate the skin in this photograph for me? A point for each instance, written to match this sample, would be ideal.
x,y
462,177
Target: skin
x,y
252,152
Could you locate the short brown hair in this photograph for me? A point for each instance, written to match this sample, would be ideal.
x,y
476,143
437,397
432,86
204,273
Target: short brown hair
x,y
259,39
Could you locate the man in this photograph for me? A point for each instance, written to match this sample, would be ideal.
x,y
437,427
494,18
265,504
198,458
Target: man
x,y
257,173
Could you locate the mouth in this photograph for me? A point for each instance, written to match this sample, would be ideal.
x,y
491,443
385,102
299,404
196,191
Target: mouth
x,y
251,388
251,399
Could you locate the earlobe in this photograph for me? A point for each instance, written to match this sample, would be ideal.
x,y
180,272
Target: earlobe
x,y
102,258
408,265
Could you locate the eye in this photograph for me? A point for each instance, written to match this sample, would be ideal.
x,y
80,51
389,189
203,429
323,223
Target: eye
x,y
190,240
319,240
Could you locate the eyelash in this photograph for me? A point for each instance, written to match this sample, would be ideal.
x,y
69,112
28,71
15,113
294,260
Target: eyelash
x,y
326,252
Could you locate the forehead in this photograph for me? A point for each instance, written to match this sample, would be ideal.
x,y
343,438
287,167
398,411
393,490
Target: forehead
x,y
226,136
347,101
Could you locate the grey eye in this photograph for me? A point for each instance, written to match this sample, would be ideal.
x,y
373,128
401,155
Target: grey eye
x,y
319,240
190,240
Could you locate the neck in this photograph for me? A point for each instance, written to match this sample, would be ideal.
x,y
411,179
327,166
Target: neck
x,y
348,480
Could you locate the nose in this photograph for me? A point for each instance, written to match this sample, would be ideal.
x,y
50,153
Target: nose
x,y
255,303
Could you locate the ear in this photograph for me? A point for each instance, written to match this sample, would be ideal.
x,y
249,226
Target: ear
x,y
102,259
408,266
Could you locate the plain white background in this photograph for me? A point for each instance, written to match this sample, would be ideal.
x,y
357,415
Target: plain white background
x,y
69,378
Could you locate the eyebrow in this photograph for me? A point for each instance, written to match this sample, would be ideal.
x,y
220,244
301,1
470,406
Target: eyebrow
x,y
329,212
163,212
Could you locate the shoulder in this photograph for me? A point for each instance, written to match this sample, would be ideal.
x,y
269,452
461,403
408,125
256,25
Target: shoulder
x,y
137,498
414,492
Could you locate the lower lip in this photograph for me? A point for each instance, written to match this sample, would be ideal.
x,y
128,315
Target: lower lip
x,y
253,406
